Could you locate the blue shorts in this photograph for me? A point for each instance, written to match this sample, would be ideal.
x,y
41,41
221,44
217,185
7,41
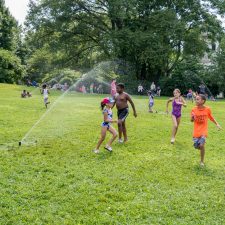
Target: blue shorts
x,y
199,141
151,104
122,114
106,124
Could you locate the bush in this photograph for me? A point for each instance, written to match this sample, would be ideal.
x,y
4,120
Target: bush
x,y
188,74
67,80
131,84
58,76
11,70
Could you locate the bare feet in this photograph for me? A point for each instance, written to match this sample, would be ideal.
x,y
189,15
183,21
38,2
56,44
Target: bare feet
x,y
172,141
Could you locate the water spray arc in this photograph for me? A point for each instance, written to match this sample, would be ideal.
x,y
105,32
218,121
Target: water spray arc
x,y
22,141
93,74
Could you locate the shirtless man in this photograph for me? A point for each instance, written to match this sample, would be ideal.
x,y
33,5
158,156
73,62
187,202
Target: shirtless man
x,y
121,100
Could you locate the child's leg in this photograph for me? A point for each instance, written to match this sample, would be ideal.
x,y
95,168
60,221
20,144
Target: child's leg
x,y
175,125
120,128
124,131
178,123
102,138
114,133
202,152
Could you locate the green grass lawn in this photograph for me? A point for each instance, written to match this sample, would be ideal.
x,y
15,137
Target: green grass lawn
x,y
145,181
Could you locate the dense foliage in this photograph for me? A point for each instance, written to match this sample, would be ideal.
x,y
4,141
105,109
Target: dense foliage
x,y
11,47
159,40
154,36
11,69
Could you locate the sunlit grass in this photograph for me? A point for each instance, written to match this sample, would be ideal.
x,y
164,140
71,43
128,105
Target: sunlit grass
x,y
146,181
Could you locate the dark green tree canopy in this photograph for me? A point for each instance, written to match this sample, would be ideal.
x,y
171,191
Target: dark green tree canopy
x,y
11,47
8,29
154,36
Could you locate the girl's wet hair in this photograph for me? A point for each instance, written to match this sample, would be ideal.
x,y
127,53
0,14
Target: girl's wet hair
x,y
102,106
44,86
178,90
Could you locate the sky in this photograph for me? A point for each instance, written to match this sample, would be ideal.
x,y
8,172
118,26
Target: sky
x,y
18,9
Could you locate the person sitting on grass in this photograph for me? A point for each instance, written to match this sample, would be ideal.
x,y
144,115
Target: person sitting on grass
x,y
106,106
200,115
29,94
24,94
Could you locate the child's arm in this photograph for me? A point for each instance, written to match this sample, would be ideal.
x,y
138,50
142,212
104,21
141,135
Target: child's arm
x,y
106,119
114,98
183,102
132,104
167,104
213,120
192,116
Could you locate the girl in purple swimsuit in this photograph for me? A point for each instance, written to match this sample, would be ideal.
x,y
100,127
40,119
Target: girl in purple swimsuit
x,y
177,103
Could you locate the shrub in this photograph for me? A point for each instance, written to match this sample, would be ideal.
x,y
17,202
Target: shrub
x,y
11,70
67,80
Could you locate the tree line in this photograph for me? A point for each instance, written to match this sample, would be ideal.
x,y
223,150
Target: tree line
x,y
159,39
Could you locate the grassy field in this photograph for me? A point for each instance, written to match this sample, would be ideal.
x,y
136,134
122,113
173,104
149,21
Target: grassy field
x,y
145,181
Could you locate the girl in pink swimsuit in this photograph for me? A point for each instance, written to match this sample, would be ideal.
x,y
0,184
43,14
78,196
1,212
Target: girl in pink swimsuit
x,y
177,103
113,88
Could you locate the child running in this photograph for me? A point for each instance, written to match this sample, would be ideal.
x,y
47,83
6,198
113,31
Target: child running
x,y
45,93
177,103
200,115
106,106
151,101
122,110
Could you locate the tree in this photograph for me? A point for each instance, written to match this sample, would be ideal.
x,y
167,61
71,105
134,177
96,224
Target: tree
x,y
8,29
154,36
11,70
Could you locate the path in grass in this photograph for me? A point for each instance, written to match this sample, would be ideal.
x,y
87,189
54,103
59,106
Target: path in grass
x,y
146,181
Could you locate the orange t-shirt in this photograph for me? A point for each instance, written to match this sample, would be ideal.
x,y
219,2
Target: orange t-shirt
x,y
201,116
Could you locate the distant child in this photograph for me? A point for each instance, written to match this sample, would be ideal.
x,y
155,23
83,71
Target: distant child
x,y
200,115
106,106
151,101
195,94
84,91
29,94
177,103
113,88
190,95
24,94
122,99
45,93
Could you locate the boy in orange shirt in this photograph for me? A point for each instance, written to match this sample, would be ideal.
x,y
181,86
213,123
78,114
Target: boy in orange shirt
x,y
200,115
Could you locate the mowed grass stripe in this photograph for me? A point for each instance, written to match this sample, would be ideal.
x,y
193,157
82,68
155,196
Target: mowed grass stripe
x,y
146,181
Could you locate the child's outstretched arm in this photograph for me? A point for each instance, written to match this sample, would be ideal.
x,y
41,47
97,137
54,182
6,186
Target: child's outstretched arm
x,y
183,102
213,120
167,104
